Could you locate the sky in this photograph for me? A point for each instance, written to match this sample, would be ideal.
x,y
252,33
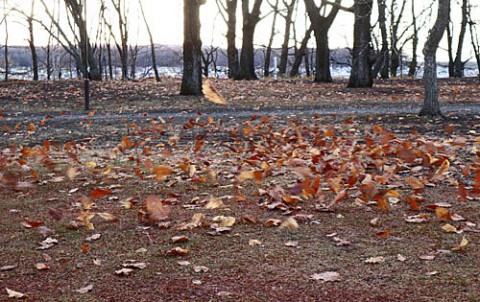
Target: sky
x,y
166,23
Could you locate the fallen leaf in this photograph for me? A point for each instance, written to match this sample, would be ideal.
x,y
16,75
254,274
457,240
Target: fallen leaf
x,y
290,223
461,246
178,251
183,263
375,260
401,258
177,239
41,266
427,257
449,228
156,210
327,277
7,268
93,237
194,223
162,172
214,203
291,243
85,289
254,242
124,271
201,269
14,294
224,221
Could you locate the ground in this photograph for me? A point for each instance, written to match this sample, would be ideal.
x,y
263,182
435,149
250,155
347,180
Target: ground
x,y
294,191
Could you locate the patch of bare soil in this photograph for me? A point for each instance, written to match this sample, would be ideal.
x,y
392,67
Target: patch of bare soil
x,y
126,203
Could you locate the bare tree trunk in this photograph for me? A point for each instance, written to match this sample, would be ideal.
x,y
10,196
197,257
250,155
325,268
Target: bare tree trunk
x,y
361,73
451,68
5,47
431,106
110,63
282,66
192,49
268,53
475,42
247,56
301,52
31,43
152,45
230,18
412,70
382,62
458,65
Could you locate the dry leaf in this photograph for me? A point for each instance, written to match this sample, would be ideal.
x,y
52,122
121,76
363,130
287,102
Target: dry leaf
x,y
214,203
449,228
183,263
224,221
162,172
327,277
178,251
212,94
41,266
177,239
124,271
201,269
93,237
195,223
14,294
156,210
272,222
85,289
375,260
401,258
291,243
461,246
290,223
254,242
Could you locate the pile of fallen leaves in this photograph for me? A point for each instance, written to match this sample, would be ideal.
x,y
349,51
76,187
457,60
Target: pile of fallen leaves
x,y
292,172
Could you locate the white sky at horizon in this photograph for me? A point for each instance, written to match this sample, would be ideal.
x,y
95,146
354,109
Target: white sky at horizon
x,y
166,23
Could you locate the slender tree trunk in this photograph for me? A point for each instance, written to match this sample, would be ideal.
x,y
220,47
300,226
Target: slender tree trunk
x,y
232,51
451,68
458,65
5,47
361,73
247,56
110,63
383,59
31,42
282,66
412,70
301,52
268,53
431,106
192,49
152,44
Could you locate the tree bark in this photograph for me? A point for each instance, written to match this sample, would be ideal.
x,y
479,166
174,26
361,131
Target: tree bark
x,y
321,25
282,66
31,43
382,62
192,49
247,56
412,69
458,65
268,52
301,52
361,73
431,106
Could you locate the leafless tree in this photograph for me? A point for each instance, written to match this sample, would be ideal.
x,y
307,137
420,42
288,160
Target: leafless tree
x,y
228,11
268,49
152,44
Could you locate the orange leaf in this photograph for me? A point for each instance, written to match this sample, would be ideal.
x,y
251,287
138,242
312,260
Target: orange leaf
x,y
414,183
99,193
212,94
383,234
161,172
443,213
126,143
383,204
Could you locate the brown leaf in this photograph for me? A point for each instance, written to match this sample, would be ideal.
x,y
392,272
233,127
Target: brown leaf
x,y
156,210
161,172
327,277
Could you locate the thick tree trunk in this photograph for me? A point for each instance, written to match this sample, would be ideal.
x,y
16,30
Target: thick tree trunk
x,y
321,26
431,106
247,57
192,49
361,73
232,51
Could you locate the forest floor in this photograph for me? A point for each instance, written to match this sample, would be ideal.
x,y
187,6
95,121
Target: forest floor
x,y
294,191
